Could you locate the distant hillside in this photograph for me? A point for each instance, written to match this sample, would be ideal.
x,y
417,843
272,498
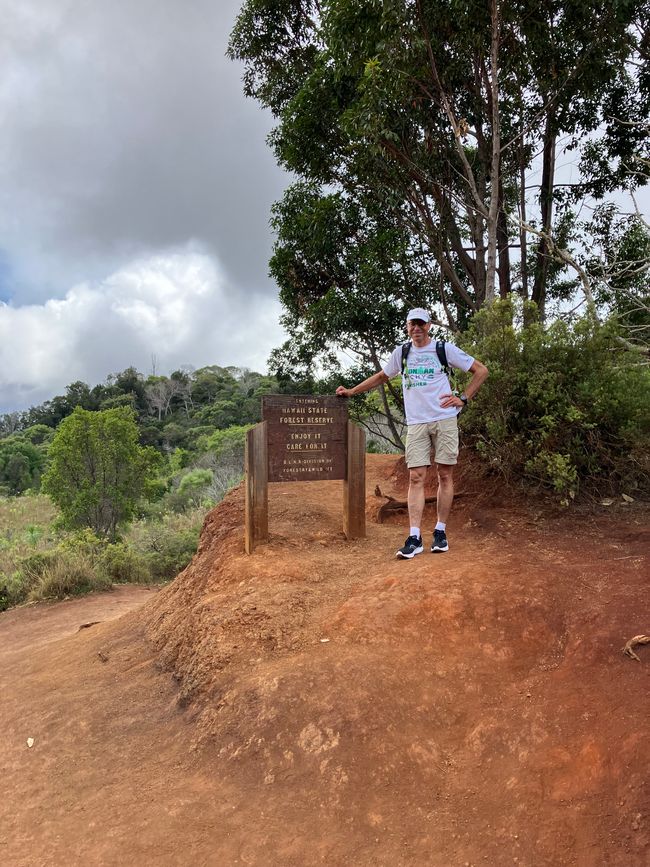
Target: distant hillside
x,y
178,414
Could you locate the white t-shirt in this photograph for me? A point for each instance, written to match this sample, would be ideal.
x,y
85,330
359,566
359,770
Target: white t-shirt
x,y
425,383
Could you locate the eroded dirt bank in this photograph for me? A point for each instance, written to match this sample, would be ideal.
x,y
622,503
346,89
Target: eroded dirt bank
x,y
321,703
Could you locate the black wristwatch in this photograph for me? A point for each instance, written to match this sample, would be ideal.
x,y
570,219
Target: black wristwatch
x,y
465,399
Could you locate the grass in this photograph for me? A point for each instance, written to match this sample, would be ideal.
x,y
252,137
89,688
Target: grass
x,y
37,562
26,527
69,576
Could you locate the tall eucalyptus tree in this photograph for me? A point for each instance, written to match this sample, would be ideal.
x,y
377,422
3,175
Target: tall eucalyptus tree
x,y
417,129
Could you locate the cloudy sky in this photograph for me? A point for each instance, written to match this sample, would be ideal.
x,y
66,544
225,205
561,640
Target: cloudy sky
x,y
135,189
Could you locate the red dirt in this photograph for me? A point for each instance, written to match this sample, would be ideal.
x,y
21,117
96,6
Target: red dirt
x,y
328,704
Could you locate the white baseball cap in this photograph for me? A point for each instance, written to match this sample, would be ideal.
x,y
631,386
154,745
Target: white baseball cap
x,y
418,313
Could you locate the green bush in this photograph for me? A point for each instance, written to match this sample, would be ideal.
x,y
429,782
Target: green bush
x,y
16,587
82,542
51,574
227,442
12,590
172,554
167,546
192,490
565,407
120,564
194,481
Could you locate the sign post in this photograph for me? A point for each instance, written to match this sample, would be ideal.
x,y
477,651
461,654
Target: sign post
x,y
354,486
304,438
256,521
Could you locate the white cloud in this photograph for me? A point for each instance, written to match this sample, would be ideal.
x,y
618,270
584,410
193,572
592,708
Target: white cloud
x,y
177,306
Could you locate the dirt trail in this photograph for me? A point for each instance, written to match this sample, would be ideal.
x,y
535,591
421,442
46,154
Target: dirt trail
x,y
31,626
321,703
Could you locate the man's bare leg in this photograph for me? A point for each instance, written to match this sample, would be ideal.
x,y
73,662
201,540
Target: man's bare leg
x,y
413,545
417,475
445,491
444,501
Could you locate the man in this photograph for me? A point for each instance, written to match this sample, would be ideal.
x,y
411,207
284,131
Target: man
x,y
431,410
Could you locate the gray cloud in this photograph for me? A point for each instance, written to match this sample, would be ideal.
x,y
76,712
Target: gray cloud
x,y
126,130
129,159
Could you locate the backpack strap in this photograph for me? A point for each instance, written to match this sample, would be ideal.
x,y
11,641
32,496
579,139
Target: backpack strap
x,y
442,356
406,348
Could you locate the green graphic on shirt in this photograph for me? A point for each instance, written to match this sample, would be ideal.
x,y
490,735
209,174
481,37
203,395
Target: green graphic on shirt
x,y
420,376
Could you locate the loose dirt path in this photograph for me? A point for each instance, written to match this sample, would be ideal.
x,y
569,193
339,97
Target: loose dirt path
x,y
31,626
321,703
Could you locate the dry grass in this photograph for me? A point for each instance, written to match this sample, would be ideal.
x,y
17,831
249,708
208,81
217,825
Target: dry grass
x,y
25,528
69,576
37,563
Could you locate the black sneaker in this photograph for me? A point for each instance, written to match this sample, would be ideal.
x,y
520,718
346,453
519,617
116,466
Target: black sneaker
x,y
439,544
412,546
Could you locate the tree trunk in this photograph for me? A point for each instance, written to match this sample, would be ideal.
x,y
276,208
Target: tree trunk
x,y
495,167
397,440
523,237
503,246
546,207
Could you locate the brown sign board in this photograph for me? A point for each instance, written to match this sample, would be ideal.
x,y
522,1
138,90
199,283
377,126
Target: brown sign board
x,y
307,437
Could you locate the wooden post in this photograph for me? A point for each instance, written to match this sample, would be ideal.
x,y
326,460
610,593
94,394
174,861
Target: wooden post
x,y
354,486
256,464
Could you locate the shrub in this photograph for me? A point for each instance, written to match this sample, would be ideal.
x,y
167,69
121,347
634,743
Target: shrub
x,y
120,564
12,590
194,480
33,535
83,542
28,575
35,564
167,546
172,555
225,459
565,407
192,489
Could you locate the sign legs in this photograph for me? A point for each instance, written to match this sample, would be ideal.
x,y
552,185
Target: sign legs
x,y
256,464
257,486
354,486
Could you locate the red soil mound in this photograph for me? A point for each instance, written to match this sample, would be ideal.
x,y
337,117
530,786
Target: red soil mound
x,y
455,707
331,705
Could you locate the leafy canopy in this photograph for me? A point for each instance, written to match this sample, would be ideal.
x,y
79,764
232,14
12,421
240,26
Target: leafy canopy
x,y
98,470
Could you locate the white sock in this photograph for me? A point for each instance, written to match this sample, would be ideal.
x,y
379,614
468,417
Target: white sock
x,y
415,531
441,526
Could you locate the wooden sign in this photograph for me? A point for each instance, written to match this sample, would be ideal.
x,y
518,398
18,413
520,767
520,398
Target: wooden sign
x,y
304,438
307,437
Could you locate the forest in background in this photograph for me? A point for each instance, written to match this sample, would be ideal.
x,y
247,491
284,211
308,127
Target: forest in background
x,y
190,426
565,412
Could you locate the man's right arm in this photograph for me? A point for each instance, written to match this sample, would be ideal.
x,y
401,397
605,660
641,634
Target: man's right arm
x,y
366,385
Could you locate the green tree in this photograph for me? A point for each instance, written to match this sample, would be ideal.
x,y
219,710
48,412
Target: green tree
x,y
21,464
98,470
432,113
619,268
346,278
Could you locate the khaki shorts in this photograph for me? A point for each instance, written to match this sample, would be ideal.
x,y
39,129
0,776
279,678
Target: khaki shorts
x,y
441,436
